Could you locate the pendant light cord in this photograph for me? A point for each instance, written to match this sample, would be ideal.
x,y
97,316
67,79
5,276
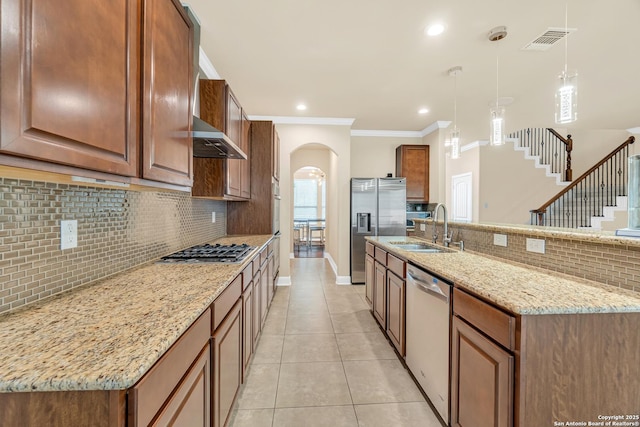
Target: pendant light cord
x,y
497,73
566,37
455,101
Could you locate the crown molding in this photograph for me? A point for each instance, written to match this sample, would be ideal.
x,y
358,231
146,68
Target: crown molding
x,y
441,124
472,145
387,133
292,120
207,66
634,131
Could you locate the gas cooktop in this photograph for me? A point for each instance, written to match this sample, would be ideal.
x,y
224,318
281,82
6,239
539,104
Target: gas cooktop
x,y
230,254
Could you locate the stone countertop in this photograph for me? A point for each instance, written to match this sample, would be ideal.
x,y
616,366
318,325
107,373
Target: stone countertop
x,y
580,235
520,289
106,335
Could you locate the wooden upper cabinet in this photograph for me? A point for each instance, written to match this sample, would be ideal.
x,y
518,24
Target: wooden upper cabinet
x,y
69,84
412,162
245,165
223,178
167,93
276,155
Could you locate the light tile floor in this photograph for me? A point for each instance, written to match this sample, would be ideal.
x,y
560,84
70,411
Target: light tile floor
x,y
323,361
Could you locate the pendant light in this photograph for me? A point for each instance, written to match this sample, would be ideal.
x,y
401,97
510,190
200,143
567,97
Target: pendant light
x,y
567,90
497,111
455,133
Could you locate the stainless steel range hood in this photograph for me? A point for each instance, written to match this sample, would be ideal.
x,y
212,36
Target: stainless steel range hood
x,y
208,142
212,143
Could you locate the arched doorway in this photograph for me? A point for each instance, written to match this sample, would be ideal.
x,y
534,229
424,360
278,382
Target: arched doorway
x,y
309,212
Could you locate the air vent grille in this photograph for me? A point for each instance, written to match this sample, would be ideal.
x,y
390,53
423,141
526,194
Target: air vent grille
x,y
548,38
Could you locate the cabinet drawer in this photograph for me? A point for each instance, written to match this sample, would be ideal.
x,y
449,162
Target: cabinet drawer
x,y
225,301
247,276
491,321
398,266
263,256
381,255
370,249
150,393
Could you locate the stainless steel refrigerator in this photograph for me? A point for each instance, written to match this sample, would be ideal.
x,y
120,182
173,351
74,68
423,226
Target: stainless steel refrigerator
x,y
378,208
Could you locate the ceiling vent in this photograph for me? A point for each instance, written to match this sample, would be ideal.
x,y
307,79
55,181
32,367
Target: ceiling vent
x,y
548,38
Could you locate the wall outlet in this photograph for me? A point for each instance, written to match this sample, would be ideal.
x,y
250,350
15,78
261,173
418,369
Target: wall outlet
x,y
213,217
68,234
500,240
535,245
423,227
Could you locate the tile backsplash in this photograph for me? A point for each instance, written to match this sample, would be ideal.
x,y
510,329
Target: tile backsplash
x,y
117,229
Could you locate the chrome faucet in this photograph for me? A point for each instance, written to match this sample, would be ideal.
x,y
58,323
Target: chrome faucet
x,y
447,238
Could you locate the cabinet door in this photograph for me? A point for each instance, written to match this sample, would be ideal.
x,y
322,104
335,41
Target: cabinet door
x,y
247,328
191,401
233,129
257,296
380,295
395,311
70,85
245,165
167,82
369,277
482,380
264,294
227,364
412,162
275,154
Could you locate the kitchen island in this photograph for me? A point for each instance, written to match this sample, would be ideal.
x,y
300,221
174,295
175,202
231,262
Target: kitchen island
x,y
106,336
531,347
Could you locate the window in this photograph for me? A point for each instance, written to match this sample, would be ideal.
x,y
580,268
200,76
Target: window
x,y
309,195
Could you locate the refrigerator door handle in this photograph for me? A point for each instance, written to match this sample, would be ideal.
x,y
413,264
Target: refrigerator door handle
x,y
364,222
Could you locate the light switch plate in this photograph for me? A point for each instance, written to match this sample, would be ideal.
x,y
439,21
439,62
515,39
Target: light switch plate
x,y
68,234
213,217
535,245
423,227
500,240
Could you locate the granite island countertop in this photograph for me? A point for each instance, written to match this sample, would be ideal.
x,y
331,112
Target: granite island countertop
x,y
520,289
106,335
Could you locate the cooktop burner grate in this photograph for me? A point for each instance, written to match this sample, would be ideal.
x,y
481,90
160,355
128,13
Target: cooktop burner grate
x,y
210,253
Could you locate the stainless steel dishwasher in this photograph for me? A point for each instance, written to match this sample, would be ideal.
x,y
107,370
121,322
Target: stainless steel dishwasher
x,y
427,335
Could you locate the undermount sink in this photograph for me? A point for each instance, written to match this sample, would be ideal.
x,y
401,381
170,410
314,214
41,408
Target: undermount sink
x,y
418,247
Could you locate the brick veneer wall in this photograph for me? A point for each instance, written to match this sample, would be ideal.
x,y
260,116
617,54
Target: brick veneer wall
x,y
615,261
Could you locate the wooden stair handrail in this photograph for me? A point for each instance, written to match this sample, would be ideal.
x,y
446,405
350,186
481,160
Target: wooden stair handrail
x,y
542,209
560,137
568,146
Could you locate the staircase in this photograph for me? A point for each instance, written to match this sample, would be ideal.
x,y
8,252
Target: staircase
x,y
593,198
548,149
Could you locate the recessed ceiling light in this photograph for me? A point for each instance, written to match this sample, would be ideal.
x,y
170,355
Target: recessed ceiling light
x,y
301,107
434,30
423,111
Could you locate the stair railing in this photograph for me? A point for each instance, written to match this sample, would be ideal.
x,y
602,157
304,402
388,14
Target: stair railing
x,y
551,147
586,197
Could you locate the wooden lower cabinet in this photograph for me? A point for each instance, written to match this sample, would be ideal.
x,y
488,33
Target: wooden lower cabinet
x,y
165,381
395,310
264,294
227,364
247,327
369,278
256,317
380,295
190,404
482,380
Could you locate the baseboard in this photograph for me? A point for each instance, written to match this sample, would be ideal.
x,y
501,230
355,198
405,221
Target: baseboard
x,y
284,281
340,280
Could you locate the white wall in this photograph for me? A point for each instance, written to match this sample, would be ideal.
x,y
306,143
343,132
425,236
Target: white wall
x,y
375,157
506,186
337,139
